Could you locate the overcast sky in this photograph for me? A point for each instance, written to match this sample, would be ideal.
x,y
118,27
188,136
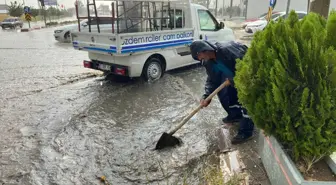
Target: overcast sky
x,y
70,3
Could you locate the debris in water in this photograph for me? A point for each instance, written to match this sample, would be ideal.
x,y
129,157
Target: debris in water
x,y
103,179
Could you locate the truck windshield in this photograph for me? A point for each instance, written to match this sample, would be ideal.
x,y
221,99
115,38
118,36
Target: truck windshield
x,y
207,22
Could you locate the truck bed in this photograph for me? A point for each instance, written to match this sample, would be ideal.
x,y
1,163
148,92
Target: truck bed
x,y
131,43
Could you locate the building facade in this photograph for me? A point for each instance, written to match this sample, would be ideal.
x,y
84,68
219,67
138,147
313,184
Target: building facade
x,y
3,9
3,12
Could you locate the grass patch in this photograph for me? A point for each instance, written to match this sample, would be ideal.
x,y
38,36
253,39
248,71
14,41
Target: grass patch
x,y
214,176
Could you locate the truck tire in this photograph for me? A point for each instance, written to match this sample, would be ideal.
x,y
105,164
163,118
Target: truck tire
x,y
153,69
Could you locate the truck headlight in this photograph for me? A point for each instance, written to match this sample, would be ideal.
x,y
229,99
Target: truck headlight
x,y
58,31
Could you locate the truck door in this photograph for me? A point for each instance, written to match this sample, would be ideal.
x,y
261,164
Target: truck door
x,y
209,29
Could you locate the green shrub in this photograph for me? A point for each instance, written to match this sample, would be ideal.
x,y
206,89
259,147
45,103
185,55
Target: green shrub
x,y
52,23
287,82
68,22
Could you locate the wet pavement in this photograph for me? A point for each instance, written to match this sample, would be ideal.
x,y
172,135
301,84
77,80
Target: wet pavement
x,y
63,124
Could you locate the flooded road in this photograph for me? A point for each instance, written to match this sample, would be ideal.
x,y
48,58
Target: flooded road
x,y
64,124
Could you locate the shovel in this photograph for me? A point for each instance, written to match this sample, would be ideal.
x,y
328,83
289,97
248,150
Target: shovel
x,y
167,139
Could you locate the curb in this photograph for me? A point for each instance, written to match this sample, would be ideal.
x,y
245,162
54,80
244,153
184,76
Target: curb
x,y
331,160
31,29
231,164
25,29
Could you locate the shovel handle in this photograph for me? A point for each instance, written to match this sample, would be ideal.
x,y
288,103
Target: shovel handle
x,y
184,121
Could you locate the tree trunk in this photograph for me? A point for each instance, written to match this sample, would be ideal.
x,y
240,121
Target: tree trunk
x,y
231,4
321,7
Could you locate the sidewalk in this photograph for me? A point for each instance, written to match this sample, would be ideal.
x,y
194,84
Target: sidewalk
x,y
241,161
40,24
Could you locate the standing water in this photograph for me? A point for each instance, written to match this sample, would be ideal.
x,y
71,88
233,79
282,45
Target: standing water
x,y
116,136
61,126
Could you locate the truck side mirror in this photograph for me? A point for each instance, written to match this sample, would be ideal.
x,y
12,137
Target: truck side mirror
x,y
221,25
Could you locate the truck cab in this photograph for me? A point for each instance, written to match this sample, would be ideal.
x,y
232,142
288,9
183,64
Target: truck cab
x,y
207,27
154,39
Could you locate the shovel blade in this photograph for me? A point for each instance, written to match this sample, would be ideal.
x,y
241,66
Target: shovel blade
x,y
167,140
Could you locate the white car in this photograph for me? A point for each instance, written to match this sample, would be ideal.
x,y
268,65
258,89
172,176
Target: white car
x,y
63,34
260,24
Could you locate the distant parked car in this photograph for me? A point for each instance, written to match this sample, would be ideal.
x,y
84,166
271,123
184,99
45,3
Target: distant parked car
x,y
62,34
260,24
247,21
12,23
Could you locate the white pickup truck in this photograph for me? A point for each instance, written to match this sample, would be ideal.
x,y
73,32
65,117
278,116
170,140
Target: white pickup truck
x,y
160,42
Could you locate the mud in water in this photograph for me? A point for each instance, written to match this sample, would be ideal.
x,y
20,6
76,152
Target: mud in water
x,y
114,136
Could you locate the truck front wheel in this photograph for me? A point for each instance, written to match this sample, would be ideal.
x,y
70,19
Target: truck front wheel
x,y
67,37
153,69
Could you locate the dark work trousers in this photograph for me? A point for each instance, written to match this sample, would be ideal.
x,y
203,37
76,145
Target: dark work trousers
x,y
228,97
246,124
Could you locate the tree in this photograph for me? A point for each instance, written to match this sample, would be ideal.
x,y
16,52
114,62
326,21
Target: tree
x,y
71,11
205,3
105,9
15,9
287,82
52,11
34,12
80,4
233,11
81,9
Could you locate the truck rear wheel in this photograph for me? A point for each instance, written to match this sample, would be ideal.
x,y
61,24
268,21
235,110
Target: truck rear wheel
x,y
153,69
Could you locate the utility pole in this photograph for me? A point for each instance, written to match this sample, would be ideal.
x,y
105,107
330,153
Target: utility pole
x,y
42,7
231,4
288,5
246,6
223,8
